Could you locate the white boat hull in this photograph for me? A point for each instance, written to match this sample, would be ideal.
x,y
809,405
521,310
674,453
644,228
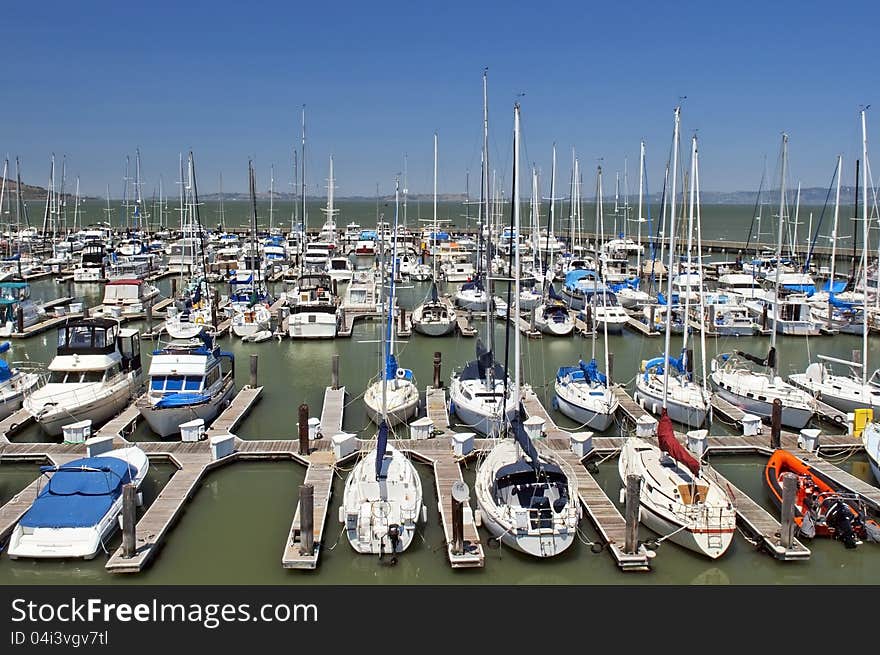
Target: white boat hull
x,y
166,421
589,418
312,325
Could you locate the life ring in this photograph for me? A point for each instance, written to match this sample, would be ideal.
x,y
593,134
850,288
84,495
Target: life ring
x,y
400,373
200,320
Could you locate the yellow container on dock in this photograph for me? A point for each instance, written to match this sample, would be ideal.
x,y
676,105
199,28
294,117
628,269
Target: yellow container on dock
x,y
861,418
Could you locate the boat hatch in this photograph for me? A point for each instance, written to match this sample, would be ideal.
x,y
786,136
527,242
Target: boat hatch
x,y
691,494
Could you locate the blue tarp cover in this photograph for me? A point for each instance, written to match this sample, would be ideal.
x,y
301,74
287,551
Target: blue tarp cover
x,y
182,400
77,498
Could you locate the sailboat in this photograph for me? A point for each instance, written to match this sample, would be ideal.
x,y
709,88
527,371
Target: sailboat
x,y
394,397
251,313
526,500
433,318
667,381
678,499
551,315
192,310
382,500
480,394
847,392
735,380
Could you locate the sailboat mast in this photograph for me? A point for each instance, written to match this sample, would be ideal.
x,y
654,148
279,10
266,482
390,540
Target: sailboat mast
x,y
490,331
668,334
690,245
864,249
434,248
305,218
641,201
516,268
393,268
779,243
696,185
834,229
271,196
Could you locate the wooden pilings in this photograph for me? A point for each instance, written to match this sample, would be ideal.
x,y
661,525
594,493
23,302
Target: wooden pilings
x,y
129,520
438,356
787,524
307,516
303,429
776,424
631,543
254,364
334,371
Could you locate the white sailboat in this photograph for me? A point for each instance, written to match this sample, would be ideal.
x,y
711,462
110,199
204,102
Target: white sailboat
x,y
526,500
394,397
432,317
754,390
667,382
480,394
382,500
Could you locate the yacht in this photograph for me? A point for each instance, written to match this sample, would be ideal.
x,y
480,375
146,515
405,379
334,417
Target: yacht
x,y
313,308
188,379
127,297
14,384
15,295
94,375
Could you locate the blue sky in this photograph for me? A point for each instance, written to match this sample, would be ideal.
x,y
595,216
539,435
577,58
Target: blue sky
x,y
227,80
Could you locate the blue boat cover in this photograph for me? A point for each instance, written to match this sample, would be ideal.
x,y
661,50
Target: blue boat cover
x,y
656,365
839,286
79,493
381,446
182,400
841,304
808,289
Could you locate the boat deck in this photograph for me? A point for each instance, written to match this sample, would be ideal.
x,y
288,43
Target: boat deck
x,y
13,423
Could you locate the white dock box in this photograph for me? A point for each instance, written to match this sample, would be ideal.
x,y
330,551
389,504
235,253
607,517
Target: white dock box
x,y
192,430
222,446
581,443
98,446
534,427
75,308
646,426
462,443
77,432
808,439
696,442
314,424
421,428
751,425
344,444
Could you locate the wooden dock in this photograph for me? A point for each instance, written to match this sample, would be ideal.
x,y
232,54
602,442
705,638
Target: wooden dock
x,y
525,327
116,426
830,414
320,476
42,326
13,423
602,511
435,404
630,409
153,526
447,472
759,524
332,412
580,325
635,324
230,417
534,407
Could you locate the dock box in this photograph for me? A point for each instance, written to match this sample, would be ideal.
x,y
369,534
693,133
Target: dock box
x,y
462,443
222,446
581,443
344,444
696,442
421,428
77,432
534,427
314,428
751,425
192,430
646,426
808,440
98,446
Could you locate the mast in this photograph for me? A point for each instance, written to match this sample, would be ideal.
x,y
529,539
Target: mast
x,y
517,355
3,193
551,220
406,189
76,206
641,200
668,335
138,200
696,185
271,196
834,229
305,218
779,244
690,244
434,248
490,331
222,211
865,249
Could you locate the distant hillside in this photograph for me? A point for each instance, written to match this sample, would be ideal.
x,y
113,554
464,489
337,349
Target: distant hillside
x,y
31,192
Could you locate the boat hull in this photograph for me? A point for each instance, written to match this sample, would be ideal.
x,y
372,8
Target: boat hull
x,y
590,418
792,417
166,421
679,412
312,325
97,410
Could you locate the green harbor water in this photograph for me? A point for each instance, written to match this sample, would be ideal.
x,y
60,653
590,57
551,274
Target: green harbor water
x,y
234,528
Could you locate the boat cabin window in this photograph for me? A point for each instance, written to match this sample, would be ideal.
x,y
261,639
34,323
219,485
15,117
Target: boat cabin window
x,y
86,337
176,383
93,376
212,376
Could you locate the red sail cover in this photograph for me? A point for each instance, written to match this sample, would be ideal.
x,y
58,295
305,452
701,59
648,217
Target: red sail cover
x,y
669,444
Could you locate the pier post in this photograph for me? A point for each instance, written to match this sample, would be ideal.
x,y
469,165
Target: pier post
x,y
460,494
70,287
255,358
610,372
401,320
19,319
214,301
589,318
174,287
437,358
307,519
787,524
652,312
631,535
129,519
149,310
532,319
334,371
764,318
828,325
711,326
776,424
303,429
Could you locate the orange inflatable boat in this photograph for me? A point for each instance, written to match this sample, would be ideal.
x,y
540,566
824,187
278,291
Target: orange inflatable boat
x,y
821,509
